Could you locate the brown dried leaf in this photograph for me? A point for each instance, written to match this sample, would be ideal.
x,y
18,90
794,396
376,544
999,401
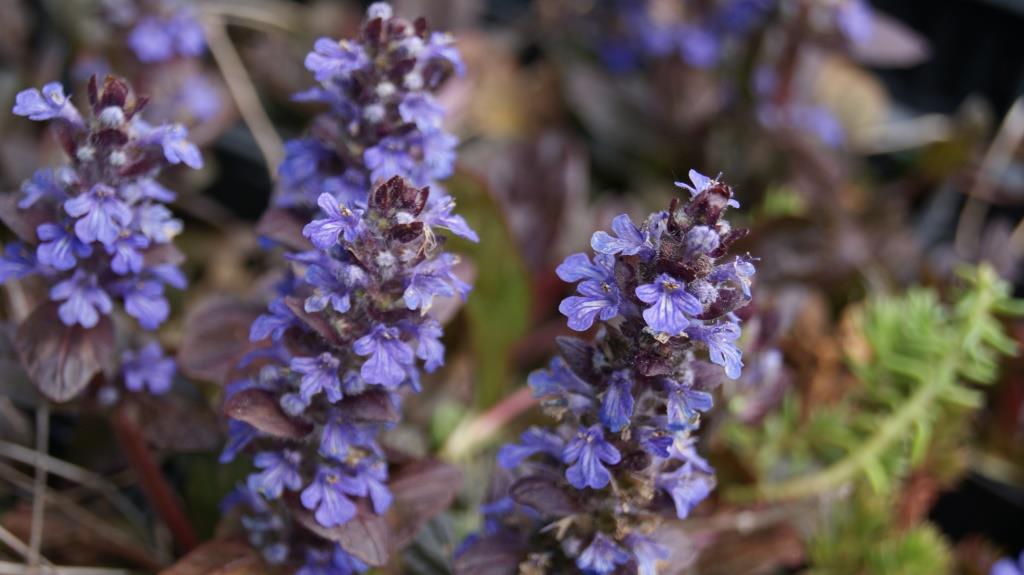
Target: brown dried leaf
x,y
62,360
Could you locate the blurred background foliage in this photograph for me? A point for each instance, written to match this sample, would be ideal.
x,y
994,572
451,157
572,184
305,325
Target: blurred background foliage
x,y
878,426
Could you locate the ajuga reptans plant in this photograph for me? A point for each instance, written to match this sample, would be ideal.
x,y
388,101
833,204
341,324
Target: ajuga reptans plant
x,y
382,118
352,328
590,492
97,230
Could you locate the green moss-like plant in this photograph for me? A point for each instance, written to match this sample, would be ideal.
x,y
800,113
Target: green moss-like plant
x,y
921,377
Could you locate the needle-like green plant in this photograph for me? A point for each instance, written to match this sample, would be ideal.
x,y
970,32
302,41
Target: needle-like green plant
x,y
921,376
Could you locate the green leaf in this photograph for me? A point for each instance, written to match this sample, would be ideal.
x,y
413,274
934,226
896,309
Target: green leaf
x,y
498,309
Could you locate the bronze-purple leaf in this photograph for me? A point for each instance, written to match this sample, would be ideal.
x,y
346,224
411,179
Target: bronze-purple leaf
x,y
367,536
316,322
373,406
543,494
260,409
284,226
219,557
175,423
161,254
495,555
23,222
421,490
62,360
216,338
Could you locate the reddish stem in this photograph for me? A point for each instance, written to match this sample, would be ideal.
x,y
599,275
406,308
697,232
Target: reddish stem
x,y
154,484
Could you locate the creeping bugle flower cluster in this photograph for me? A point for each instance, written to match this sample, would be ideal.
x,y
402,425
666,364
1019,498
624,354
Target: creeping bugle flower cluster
x,y
102,230
629,401
382,120
354,326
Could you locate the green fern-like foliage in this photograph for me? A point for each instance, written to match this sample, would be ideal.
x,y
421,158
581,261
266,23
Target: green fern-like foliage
x,y
925,366
862,540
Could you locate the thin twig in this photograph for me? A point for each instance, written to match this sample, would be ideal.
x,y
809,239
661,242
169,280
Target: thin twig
x,y
243,92
262,14
128,545
475,431
1016,241
77,474
35,541
997,159
8,568
19,546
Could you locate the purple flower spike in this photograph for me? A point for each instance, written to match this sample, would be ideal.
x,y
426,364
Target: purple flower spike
x,y
533,441
628,404
738,272
17,262
333,282
49,104
101,215
327,495
177,148
106,195
319,373
670,304
617,404
151,40
421,109
596,299
1007,566
389,356
428,345
687,487
684,402
59,248
431,278
145,301
721,341
579,267
700,183
588,452
330,58
148,369
602,556
84,300
630,240
279,471
340,221
647,552
273,324
127,257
